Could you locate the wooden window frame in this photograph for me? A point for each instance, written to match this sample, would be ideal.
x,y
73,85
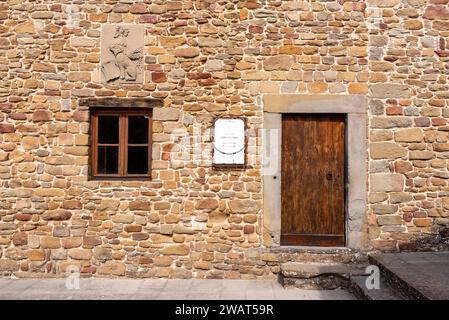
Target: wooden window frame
x,y
123,114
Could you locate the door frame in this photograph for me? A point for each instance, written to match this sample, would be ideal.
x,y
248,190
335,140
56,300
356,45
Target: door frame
x,y
354,106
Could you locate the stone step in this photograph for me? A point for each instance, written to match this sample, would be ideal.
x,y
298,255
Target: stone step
x,y
415,276
359,289
314,275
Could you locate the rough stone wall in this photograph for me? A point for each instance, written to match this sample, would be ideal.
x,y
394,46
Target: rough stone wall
x,y
409,195
205,59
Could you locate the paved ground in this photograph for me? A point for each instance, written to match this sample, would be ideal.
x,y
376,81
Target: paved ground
x,y
43,289
425,272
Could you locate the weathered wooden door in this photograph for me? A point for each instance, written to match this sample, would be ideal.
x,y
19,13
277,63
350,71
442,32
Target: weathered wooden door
x,y
313,180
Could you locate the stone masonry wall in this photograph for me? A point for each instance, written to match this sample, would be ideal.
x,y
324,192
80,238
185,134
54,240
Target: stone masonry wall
x,y
409,146
205,59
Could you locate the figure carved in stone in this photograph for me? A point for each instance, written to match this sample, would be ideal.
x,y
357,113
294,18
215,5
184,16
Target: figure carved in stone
x,y
126,64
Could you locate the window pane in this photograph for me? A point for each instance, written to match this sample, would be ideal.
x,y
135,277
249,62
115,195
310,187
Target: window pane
x,y
108,129
138,129
137,160
107,160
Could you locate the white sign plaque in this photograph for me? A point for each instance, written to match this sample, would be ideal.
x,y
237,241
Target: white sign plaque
x,y
229,141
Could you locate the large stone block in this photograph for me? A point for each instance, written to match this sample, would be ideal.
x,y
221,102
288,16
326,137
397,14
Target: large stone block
x,y
409,135
437,12
187,52
390,122
389,90
114,268
386,182
279,62
244,206
166,114
386,150
383,3
389,220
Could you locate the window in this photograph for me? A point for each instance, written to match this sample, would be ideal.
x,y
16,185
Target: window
x,y
121,143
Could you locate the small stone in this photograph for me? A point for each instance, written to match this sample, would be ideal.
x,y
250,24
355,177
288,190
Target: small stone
x,y
358,88
61,231
20,238
69,243
209,42
166,114
202,265
422,222
381,208
58,254
421,155
138,8
123,218
163,261
158,9
187,52
102,254
268,257
25,28
400,197
213,65
43,67
172,42
79,76
383,3
91,241
30,143
180,250
422,122
42,115
389,220
112,268
180,273
140,236
7,128
80,254
436,13
403,166
140,205
109,204
36,255
81,116
57,215
83,42
50,243
413,24
23,217
279,62
42,15
158,77
243,206
209,204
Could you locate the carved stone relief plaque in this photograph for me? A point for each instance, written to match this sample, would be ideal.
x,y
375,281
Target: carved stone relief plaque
x,y
122,52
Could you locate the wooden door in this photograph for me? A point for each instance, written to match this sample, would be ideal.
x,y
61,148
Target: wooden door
x,y
313,180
